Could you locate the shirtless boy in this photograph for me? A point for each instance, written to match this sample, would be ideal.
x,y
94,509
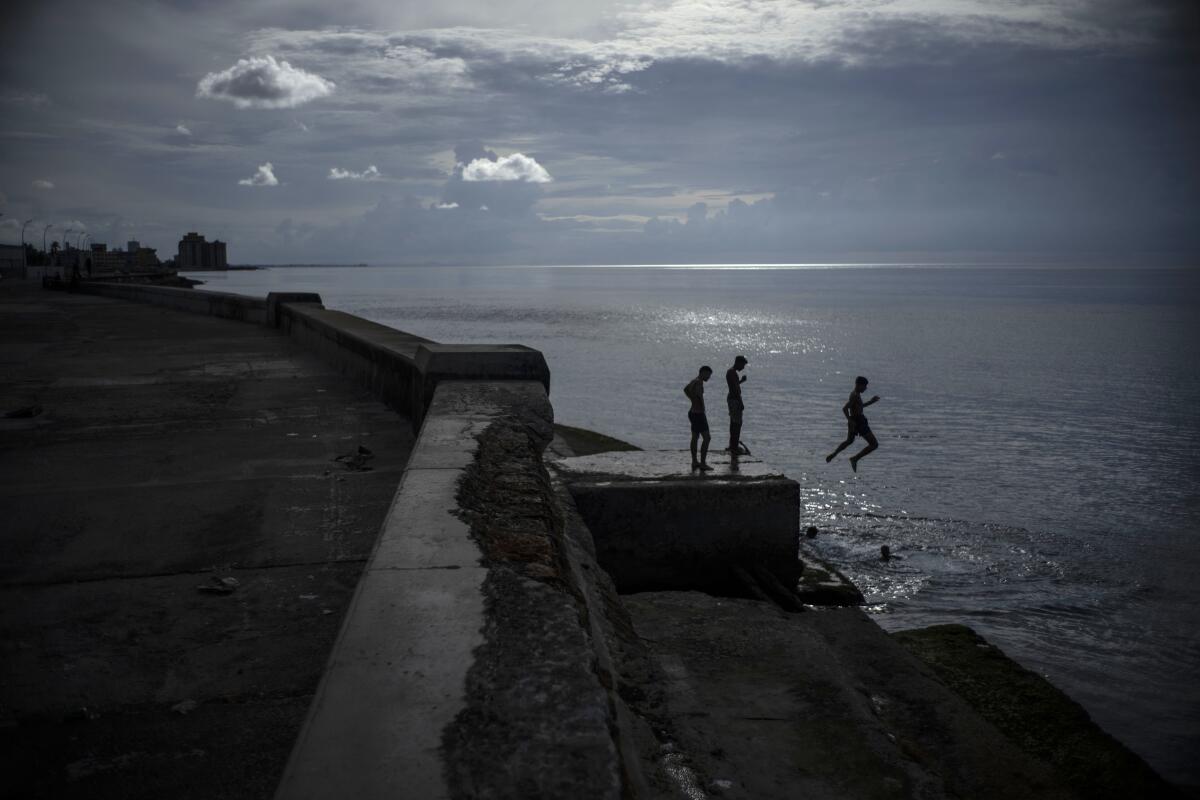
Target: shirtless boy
x,y
695,392
736,406
857,423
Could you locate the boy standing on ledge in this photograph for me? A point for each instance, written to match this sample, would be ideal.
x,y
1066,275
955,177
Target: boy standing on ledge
x,y
695,392
736,406
857,423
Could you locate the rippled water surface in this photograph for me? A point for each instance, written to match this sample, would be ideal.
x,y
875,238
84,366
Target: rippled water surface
x,y
1039,468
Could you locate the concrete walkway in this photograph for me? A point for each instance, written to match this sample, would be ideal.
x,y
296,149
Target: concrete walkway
x,y
167,452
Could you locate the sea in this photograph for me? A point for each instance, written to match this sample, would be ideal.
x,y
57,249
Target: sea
x,y
1038,473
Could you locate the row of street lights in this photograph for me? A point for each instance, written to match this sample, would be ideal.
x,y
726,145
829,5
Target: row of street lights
x,y
66,232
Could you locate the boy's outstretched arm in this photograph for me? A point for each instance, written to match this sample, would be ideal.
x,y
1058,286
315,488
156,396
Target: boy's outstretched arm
x,y
874,399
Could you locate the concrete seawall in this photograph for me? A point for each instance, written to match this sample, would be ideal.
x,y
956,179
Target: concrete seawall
x,y
463,643
462,662
400,368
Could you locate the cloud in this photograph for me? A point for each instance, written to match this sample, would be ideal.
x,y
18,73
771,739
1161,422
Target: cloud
x,y
606,75
517,167
183,130
263,82
369,174
28,99
264,176
371,63
446,206
42,183
849,31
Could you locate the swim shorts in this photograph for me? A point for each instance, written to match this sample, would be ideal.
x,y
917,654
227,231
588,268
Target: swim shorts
x,y
861,428
699,421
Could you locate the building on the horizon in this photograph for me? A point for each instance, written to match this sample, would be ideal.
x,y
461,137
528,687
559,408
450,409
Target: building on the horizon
x,y
105,260
142,257
196,253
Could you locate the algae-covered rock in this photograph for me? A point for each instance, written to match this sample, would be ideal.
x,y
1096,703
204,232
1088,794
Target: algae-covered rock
x,y
583,442
821,584
1036,716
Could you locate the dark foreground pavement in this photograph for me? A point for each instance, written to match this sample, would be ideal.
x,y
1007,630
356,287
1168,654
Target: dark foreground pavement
x,y
171,451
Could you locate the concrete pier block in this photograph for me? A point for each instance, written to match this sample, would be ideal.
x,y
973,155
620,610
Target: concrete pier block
x,y
658,526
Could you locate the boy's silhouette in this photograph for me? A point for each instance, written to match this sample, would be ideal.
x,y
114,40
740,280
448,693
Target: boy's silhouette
x,y
736,406
857,424
696,416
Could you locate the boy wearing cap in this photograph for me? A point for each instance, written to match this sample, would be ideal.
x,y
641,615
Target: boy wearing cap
x,y
736,406
696,416
857,423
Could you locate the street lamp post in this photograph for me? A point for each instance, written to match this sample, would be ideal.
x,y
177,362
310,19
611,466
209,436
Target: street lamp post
x,y
66,247
44,230
24,258
86,260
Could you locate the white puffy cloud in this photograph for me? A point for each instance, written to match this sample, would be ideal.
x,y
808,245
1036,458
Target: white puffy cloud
x,y
446,206
183,130
263,82
263,176
516,167
42,183
369,174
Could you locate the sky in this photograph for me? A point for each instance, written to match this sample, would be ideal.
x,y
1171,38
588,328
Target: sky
x,y
666,131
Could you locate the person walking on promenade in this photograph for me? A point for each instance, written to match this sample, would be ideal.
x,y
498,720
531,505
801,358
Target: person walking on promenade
x,y
736,406
695,392
857,424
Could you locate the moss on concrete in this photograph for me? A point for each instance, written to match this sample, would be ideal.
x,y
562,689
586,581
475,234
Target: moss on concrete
x,y
586,443
537,719
1036,716
507,497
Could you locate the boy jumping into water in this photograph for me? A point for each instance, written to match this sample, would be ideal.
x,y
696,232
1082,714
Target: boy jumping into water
x,y
853,410
695,392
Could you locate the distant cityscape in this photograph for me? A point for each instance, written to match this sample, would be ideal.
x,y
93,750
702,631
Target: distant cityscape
x,y
96,259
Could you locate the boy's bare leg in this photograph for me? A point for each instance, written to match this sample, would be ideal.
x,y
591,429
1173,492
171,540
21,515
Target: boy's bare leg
x,y
695,463
872,444
704,452
839,449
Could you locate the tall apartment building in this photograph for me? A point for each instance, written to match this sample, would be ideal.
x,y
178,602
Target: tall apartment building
x,y
196,253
